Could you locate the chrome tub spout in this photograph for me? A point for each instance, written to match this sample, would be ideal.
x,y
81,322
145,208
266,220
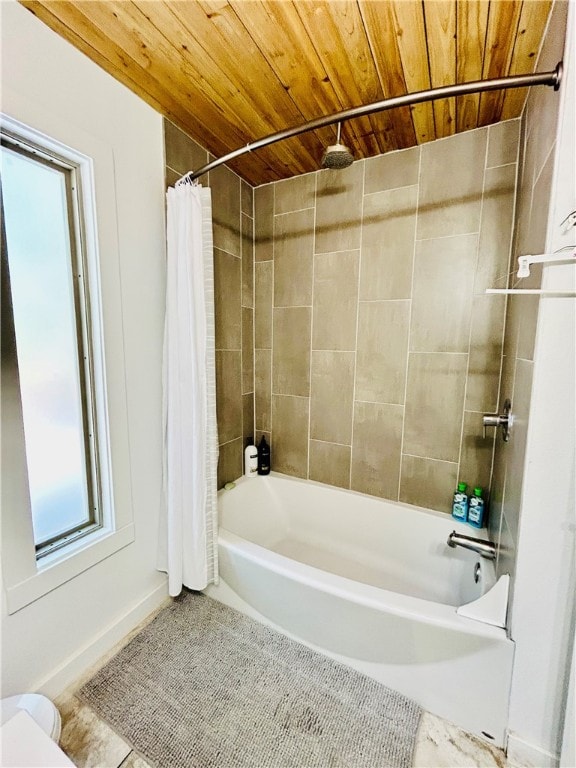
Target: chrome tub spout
x,y
484,548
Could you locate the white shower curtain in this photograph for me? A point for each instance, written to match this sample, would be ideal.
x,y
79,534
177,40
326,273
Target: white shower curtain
x,y
187,548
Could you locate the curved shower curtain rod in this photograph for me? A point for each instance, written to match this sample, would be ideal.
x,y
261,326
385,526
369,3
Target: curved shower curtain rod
x,y
552,78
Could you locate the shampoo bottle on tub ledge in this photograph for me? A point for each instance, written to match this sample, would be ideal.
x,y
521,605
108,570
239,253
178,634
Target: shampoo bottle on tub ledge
x,y
460,503
250,459
476,509
263,457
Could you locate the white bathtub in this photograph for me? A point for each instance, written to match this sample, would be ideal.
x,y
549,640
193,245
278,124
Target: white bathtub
x,y
373,584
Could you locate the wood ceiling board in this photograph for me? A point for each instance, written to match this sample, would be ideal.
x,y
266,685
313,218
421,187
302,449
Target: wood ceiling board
x,y
281,37
471,24
533,21
323,27
218,30
503,18
440,20
379,25
354,41
204,74
411,34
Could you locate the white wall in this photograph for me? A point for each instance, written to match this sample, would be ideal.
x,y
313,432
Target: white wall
x,y
543,616
50,641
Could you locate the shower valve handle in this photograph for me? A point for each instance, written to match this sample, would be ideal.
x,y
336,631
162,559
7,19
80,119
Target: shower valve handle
x,y
496,420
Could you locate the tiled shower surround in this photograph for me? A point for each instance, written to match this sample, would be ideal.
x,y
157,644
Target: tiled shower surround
x,y
376,348
354,330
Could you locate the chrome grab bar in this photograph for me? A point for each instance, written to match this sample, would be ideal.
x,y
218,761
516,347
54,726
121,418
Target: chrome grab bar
x,y
484,548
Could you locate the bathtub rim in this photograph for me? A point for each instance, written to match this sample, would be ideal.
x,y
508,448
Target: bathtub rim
x,y
375,598
444,516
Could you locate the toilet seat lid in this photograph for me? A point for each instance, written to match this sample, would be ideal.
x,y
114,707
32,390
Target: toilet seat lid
x,y
40,709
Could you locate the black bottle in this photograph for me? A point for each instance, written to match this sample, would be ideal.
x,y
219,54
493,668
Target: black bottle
x,y
263,457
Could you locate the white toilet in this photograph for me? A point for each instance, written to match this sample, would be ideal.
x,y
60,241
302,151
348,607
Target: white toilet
x,y
40,709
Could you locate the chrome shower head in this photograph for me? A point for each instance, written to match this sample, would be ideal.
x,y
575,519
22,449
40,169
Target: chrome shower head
x,y
337,155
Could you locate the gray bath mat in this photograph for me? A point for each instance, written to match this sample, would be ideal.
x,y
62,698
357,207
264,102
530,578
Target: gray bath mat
x,y
203,686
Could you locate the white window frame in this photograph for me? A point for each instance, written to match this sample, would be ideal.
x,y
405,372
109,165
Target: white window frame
x,y
27,578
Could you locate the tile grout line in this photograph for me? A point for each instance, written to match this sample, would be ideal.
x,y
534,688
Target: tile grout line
x,y
357,326
308,436
270,421
253,247
409,324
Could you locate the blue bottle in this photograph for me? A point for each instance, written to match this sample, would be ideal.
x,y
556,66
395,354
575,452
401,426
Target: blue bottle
x,y
476,509
460,503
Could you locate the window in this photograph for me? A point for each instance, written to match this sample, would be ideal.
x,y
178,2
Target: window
x,y
66,491
45,271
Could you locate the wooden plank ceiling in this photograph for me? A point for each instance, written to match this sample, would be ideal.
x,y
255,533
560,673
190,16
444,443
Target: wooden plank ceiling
x,y
231,71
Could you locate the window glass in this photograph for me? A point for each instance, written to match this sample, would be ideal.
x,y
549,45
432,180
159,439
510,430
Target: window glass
x,y
44,284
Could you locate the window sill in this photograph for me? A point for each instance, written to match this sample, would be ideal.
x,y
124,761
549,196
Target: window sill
x,y
54,570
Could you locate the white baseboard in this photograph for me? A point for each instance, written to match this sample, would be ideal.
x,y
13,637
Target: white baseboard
x,y
521,753
77,665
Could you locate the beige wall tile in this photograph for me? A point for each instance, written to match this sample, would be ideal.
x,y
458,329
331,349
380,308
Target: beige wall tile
x,y
376,449
503,140
530,308
392,170
291,351
247,261
246,198
382,351
507,380
335,300
428,483
183,154
442,294
539,210
290,422
331,396
388,230
497,491
476,455
293,258
247,417
230,462
542,104
434,405
513,319
264,222
247,350
485,353
225,186
263,276
516,452
228,396
496,228
452,208
295,193
227,289
263,389
330,463
339,209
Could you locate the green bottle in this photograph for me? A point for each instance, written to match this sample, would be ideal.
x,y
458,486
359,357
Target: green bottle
x,y
460,503
476,509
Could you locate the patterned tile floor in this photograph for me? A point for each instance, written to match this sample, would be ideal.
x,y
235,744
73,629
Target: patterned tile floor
x,y
90,743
